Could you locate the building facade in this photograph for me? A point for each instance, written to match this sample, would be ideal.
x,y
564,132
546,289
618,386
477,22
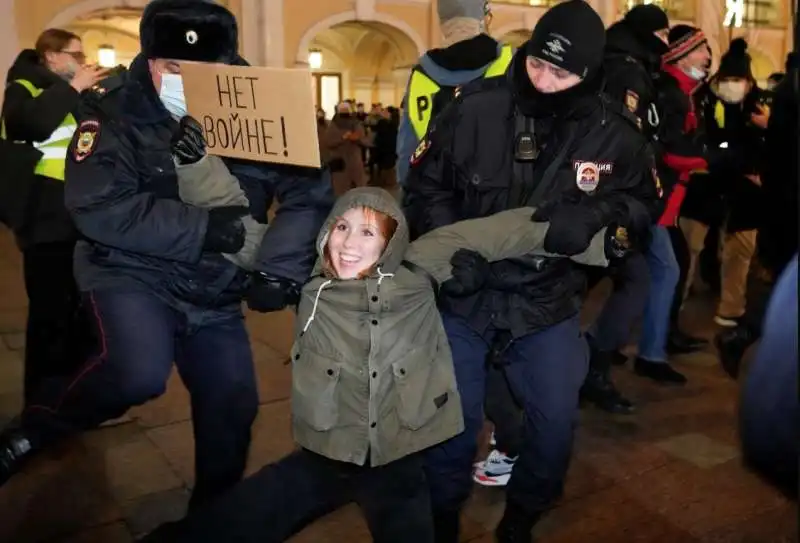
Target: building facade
x,y
364,49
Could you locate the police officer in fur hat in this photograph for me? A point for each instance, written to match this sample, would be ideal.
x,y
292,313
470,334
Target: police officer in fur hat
x,y
543,135
152,268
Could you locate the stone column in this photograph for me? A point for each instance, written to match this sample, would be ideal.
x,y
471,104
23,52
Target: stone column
x,y
400,76
274,40
251,25
9,41
708,17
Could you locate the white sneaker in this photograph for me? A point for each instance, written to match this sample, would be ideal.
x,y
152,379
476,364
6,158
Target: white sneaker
x,y
492,441
495,470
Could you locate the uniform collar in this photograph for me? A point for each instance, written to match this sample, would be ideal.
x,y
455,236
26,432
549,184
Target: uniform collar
x,y
141,102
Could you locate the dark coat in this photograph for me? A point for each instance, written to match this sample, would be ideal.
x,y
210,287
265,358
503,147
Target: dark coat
x,y
32,119
123,196
466,169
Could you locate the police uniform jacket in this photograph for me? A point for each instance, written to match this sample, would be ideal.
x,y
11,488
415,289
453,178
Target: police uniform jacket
x,y
35,120
592,154
630,71
122,192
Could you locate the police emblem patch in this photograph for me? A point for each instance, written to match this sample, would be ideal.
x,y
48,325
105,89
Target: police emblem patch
x,y
587,176
420,151
631,100
621,237
86,139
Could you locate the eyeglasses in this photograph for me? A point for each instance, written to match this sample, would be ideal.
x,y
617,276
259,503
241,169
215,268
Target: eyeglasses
x,y
79,56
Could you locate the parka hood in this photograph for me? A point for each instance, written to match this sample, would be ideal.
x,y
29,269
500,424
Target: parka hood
x,y
381,201
27,66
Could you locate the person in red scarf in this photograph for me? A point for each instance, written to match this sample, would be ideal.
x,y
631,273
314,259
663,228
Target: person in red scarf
x,y
681,151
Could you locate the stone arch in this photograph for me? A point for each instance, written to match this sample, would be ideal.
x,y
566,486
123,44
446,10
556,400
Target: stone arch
x,y
333,20
76,10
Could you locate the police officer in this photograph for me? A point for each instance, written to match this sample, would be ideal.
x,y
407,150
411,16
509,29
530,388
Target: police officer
x,y
632,62
467,53
152,267
543,136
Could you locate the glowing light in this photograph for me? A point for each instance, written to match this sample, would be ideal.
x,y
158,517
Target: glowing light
x,y
106,56
315,59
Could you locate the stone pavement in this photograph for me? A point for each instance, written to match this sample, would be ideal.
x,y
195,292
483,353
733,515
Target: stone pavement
x,y
670,473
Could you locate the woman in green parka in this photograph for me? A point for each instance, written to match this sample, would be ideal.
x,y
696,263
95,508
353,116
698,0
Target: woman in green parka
x,y
372,376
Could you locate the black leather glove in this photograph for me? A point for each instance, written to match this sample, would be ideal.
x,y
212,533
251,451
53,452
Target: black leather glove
x,y
270,293
572,228
470,271
188,144
225,231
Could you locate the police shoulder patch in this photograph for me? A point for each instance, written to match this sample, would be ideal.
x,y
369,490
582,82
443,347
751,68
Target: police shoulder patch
x,y
86,138
419,152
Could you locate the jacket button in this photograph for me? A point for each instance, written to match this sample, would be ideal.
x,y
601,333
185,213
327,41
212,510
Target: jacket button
x,y
402,371
373,425
374,374
297,356
330,372
374,298
374,322
476,179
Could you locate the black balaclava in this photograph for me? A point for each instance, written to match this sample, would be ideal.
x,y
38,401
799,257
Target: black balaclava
x,y
569,35
643,21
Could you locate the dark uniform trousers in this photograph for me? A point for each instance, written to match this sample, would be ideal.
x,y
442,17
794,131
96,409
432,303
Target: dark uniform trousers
x,y
139,337
282,498
545,370
631,284
58,335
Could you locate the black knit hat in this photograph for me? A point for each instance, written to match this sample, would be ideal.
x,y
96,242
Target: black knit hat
x,y
199,30
571,36
646,19
736,62
683,39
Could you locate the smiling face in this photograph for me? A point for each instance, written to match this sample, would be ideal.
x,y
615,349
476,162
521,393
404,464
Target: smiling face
x,y
356,242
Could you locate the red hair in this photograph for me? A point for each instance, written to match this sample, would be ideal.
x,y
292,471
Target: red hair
x,y
386,226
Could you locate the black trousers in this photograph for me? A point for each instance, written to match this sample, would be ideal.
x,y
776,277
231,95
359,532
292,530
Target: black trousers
x,y
282,498
59,337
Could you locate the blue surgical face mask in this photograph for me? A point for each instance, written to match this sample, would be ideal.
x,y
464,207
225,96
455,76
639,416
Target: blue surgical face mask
x,y
696,73
171,95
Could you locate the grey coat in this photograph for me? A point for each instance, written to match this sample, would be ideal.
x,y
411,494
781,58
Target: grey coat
x,y
208,183
372,368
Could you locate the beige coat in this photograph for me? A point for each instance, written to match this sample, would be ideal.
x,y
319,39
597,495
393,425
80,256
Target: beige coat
x,y
372,369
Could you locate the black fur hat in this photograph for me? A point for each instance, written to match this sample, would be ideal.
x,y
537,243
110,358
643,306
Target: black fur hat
x,y
199,30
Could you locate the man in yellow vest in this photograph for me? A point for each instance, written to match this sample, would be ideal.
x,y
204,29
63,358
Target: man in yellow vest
x,y
467,53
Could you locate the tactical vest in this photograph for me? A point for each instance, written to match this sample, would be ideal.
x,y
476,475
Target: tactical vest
x,y
422,89
54,148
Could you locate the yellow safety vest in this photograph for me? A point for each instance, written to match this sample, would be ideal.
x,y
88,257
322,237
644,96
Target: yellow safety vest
x,y
54,148
422,89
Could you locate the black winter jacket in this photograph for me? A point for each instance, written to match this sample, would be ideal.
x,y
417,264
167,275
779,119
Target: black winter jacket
x,y
122,192
730,124
466,169
631,71
34,120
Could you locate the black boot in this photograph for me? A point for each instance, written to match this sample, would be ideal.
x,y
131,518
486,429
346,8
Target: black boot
x,y
660,372
598,387
679,342
516,526
15,449
732,344
446,525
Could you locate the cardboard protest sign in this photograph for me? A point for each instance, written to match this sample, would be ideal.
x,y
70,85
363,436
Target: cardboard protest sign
x,y
263,114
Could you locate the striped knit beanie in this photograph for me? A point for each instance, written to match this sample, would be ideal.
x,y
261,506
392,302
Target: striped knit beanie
x,y
683,39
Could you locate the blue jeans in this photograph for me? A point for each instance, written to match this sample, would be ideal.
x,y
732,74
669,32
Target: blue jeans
x,y
664,275
545,371
139,336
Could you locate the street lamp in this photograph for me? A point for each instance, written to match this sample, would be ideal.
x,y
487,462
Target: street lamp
x,y
106,56
315,59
